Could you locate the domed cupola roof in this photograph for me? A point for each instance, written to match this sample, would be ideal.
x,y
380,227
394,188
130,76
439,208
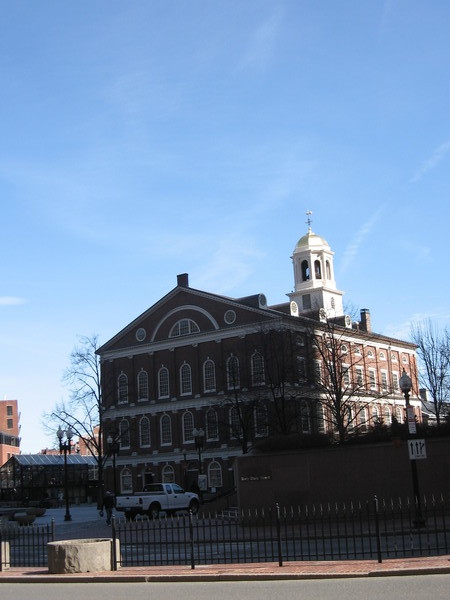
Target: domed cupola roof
x,y
311,240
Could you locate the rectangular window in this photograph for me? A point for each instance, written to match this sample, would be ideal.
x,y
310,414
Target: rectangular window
x,y
10,424
395,381
301,367
372,379
384,380
306,300
359,377
9,410
318,371
346,375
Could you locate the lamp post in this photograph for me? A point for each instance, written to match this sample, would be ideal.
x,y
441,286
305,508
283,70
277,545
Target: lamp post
x,y
406,386
113,448
199,438
65,446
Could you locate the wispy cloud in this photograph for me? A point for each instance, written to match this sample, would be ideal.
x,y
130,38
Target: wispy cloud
x,y
353,248
228,267
402,330
11,301
261,46
431,163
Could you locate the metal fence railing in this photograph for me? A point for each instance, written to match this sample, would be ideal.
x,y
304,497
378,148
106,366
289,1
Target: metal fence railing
x,y
25,545
372,530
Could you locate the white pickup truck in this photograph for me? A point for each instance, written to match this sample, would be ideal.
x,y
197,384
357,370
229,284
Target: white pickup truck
x,y
157,497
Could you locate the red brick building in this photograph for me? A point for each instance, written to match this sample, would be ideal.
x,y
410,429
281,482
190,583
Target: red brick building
x,y
9,429
190,384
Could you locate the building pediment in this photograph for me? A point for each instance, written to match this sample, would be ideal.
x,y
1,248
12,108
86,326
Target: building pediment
x,y
186,314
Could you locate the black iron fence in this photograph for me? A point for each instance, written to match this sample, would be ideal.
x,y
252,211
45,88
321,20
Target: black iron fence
x,y
373,530
25,545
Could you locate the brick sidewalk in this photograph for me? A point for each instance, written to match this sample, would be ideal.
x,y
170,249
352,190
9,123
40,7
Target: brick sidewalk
x,y
243,571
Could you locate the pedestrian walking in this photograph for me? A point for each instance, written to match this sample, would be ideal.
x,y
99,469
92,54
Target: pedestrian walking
x,y
108,505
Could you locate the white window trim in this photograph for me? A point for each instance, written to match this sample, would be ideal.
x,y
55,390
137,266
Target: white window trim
x,y
163,396
163,418
184,416
186,367
141,445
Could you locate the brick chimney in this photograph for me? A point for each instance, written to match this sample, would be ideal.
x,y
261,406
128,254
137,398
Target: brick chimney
x,y
365,324
183,280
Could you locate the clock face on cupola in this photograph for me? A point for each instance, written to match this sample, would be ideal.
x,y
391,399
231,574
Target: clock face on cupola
x,y
314,284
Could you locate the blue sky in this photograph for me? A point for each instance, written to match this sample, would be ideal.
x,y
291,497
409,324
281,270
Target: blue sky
x,y
139,140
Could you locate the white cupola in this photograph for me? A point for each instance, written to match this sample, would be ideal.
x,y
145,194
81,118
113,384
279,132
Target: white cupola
x,y
315,286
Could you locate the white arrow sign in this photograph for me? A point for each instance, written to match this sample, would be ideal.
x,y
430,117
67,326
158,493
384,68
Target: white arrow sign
x,y
417,449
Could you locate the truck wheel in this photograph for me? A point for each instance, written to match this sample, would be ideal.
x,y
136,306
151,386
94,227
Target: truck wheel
x,y
194,506
153,511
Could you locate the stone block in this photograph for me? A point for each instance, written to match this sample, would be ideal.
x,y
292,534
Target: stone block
x,y
80,556
5,559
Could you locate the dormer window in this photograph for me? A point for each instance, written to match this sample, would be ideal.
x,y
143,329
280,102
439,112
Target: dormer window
x,y
184,327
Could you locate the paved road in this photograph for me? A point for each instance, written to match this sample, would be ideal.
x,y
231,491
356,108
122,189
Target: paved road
x,y
430,587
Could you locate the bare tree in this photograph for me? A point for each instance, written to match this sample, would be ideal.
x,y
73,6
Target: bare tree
x,y
84,411
284,380
340,378
239,408
433,348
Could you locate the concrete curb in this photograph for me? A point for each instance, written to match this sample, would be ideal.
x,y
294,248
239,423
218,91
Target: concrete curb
x,y
195,577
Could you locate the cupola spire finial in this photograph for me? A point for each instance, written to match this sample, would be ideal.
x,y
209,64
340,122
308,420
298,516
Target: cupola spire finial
x,y
309,220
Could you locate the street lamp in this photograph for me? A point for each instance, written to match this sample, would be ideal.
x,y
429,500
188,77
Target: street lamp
x,y
406,385
199,438
113,448
65,447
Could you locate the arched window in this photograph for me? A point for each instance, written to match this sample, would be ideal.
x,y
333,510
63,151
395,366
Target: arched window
x,y
144,432
126,481
209,376
257,369
185,379
399,414
212,425
184,327
387,415
363,419
163,383
233,376
261,424
166,430
305,270
215,474
375,415
124,434
142,385
317,269
122,388
328,269
168,474
188,427
235,423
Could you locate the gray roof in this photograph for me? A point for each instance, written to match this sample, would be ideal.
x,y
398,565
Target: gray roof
x,y
54,459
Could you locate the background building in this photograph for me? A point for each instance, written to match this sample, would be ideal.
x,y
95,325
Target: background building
x,y
199,378
9,429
